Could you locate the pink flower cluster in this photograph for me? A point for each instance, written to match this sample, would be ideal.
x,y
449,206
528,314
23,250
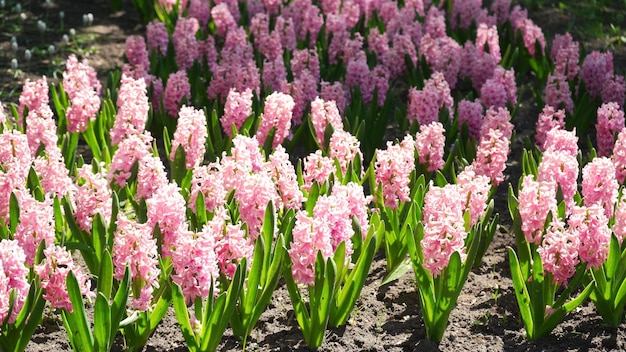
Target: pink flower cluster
x,y
393,169
557,93
151,176
195,264
208,181
536,200
276,115
559,251
166,208
83,89
186,45
471,113
284,176
592,226
619,156
93,196
237,109
565,55
317,168
53,174
329,226
549,119
474,189
324,113
596,69
231,244
34,95
53,273
36,224
191,133
599,185
130,151
134,246
13,279
430,143
137,54
132,109
424,105
344,147
176,89
15,158
157,37
561,169
610,121
444,227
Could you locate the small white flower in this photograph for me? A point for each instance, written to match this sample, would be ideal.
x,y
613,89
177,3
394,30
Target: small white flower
x,y
14,46
51,49
72,32
61,15
13,40
14,64
65,39
2,4
17,7
41,26
27,55
87,19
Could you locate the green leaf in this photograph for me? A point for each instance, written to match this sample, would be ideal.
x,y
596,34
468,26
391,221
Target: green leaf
x,y
102,323
351,289
105,278
14,212
118,306
521,293
83,337
397,271
182,316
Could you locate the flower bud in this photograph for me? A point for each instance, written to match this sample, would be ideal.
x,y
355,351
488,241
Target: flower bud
x,y
65,39
14,64
14,46
61,15
41,26
51,49
72,32
27,55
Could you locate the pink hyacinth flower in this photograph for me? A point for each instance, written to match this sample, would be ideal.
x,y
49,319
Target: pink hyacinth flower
x,y
610,121
393,168
277,114
195,264
83,89
593,230
191,133
237,109
93,196
599,185
167,208
430,143
324,113
536,200
53,273
559,251
134,247
444,229
13,279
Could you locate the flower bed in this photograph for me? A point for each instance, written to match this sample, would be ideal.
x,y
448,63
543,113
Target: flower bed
x,y
226,160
